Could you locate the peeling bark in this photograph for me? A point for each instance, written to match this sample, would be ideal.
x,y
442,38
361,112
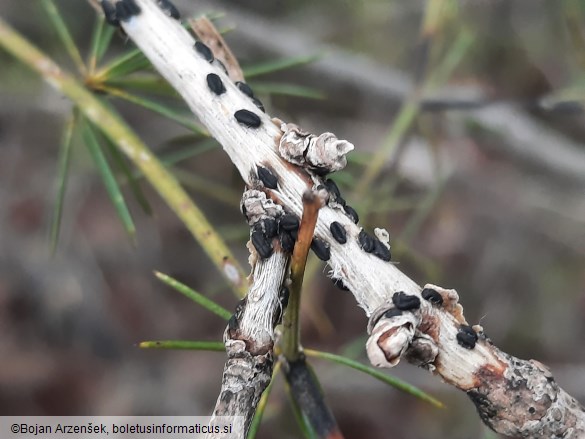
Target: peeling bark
x,y
249,336
514,397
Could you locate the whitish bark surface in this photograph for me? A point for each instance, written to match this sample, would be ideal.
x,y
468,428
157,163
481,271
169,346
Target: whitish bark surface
x,y
249,337
513,396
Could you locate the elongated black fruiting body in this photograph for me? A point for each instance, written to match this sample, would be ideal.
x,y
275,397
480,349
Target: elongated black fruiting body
x,y
215,84
267,177
270,227
393,312
339,284
295,234
204,51
289,222
381,251
321,171
259,104
126,9
351,213
169,9
246,117
332,188
405,302
366,241
132,7
287,242
110,13
233,323
432,296
245,88
466,337
262,244
123,13
321,249
283,296
338,232
341,200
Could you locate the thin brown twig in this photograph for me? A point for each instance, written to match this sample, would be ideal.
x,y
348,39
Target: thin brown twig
x,y
291,338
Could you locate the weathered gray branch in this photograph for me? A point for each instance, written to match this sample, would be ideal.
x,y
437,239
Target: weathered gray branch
x,y
249,337
512,396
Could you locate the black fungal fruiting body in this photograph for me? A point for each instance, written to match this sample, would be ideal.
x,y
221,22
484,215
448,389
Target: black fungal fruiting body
x,y
110,13
215,84
245,88
339,284
287,242
259,104
262,243
289,222
169,9
366,241
405,302
204,51
322,171
466,337
432,296
233,323
338,232
393,312
246,117
288,226
267,177
270,227
126,9
351,213
283,296
321,249
332,188
381,251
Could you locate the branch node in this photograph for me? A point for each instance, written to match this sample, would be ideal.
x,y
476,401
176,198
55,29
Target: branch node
x,y
323,153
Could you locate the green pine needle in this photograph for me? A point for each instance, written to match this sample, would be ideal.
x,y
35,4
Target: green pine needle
x,y
109,180
215,346
100,41
261,408
123,65
196,297
62,174
63,33
122,165
203,146
284,89
279,64
143,82
393,381
163,110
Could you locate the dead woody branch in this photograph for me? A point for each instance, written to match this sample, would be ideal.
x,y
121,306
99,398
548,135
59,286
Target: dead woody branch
x,y
249,337
513,396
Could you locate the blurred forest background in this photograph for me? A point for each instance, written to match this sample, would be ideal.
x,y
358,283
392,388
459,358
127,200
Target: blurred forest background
x,y
483,192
